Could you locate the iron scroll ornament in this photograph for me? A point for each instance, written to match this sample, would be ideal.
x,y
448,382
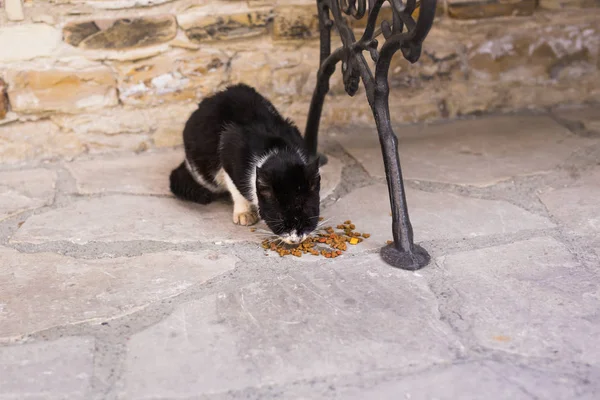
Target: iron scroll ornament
x,y
402,33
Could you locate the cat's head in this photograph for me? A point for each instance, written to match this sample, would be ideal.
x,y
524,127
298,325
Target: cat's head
x,y
288,197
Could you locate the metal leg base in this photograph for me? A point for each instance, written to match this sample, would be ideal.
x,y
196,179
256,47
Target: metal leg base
x,y
404,260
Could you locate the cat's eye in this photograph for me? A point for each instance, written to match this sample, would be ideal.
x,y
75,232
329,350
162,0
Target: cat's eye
x,y
266,194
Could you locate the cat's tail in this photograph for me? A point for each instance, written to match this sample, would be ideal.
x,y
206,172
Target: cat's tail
x,y
185,187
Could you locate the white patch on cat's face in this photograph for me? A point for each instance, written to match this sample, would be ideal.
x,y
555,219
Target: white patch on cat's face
x,y
294,238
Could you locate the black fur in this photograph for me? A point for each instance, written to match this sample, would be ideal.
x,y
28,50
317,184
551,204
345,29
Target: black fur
x,y
185,187
230,131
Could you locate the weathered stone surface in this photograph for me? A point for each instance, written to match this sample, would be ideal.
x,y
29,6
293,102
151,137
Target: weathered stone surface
x,y
61,90
172,78
533,299
108,122
43,290
121,4
34,41
3,99
587,118
459,381
169,130
252,66
128,128
295,22
434,216
36,140
576,208
565,4
146,173
25,190
99,144
563,52
385,14
56,370
272,332
473,9
111,218
477,152
170,123
121,33
165,123
331,175
44,19
14,10
224,22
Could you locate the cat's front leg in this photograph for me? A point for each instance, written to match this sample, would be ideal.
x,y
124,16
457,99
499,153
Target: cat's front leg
x,y
244,212
245,216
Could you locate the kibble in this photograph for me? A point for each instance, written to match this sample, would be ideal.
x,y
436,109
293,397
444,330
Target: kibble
x,y
325,242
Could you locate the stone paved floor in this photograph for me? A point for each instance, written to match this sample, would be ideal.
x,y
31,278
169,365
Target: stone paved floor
x,y
112,289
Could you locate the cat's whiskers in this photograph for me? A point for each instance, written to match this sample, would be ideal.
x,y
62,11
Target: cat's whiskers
x,y
323,223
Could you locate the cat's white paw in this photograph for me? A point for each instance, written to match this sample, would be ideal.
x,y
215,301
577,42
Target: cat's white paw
x,y
245,218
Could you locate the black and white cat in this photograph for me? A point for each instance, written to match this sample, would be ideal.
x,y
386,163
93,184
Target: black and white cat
x,y
237,142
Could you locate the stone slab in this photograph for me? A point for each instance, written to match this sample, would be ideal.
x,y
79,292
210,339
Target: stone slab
x,y
57,370
127,218
477,9
588,117
577,208
61,90
458,381
36,140
14,10
478,152
25,190
35,41
146,173
434,216
336,319
43,290
119,34
530,298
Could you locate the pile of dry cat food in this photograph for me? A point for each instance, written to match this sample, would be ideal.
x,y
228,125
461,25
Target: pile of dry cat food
x,y
325,242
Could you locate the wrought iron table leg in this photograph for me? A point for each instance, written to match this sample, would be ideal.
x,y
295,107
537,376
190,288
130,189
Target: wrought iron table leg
x,y
402,253
403,34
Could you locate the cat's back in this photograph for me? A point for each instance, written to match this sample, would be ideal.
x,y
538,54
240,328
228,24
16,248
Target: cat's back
x,y
238,104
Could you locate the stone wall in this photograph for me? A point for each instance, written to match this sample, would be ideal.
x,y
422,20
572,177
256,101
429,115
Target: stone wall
x,y
81,76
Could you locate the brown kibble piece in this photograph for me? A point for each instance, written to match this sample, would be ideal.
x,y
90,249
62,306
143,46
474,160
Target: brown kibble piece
x,y
366,235
390,242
